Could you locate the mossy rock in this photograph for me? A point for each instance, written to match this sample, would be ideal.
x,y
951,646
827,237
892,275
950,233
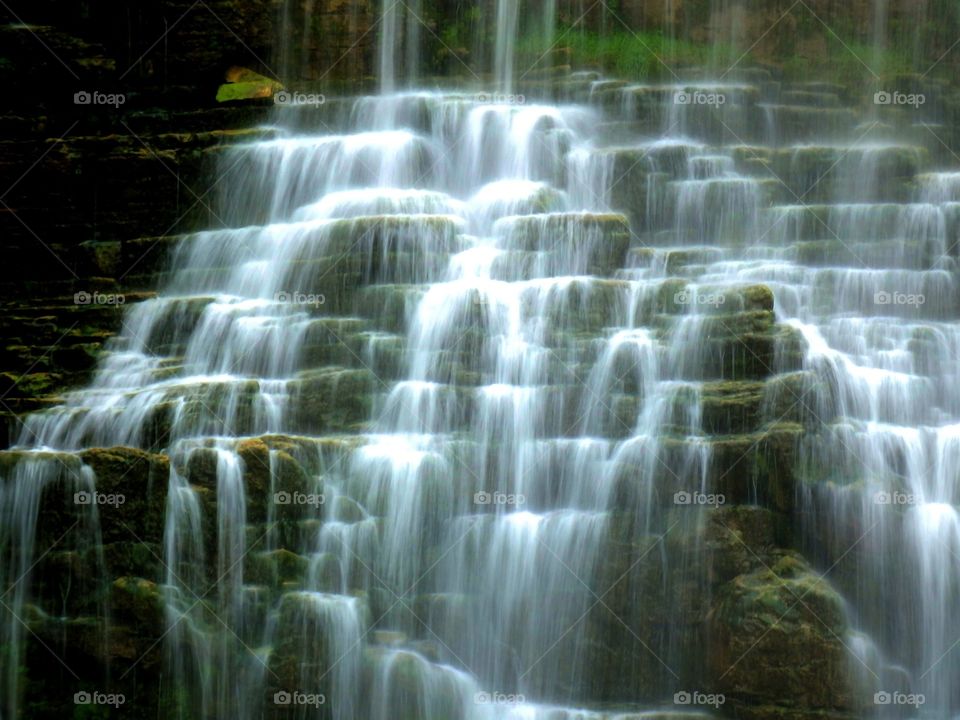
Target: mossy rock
x,y
303,655
777,639
134,558
275,568
413,686
142,479
104,257
138,603
737,539
245,84
331,399
757,468
731,407
255,456
202,468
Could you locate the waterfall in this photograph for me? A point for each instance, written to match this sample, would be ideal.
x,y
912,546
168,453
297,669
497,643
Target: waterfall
x,y
401,47
404,32
389,45
21,500
414,46
878,33
478,410
549,24
508,17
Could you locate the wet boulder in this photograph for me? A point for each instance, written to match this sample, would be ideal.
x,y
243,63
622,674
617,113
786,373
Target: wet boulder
x,y
137,482
777,643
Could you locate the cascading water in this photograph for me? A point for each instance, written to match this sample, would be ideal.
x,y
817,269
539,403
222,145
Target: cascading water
x,y
508,15
531,330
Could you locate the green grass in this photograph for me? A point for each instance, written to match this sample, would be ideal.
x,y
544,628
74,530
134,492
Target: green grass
x,y
848,62
632,55
653,55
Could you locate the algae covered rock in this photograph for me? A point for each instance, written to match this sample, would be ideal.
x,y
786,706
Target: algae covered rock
x,y
245,84
776,639
137,603
137,480
331,399
318,644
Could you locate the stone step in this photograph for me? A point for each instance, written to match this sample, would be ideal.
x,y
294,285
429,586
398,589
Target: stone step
x,y
878,221
582,243
259,194
639,97
416,246
818,86
728,113
810,98
904,254
784,123
319,341
673,261
325,400
838,173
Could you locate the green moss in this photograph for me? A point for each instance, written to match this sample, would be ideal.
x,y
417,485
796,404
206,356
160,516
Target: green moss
x,y
633,55
138,600
276,568
846,60
247,85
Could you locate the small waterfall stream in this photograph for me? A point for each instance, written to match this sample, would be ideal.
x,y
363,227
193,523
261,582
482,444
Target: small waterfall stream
x,y
525,323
